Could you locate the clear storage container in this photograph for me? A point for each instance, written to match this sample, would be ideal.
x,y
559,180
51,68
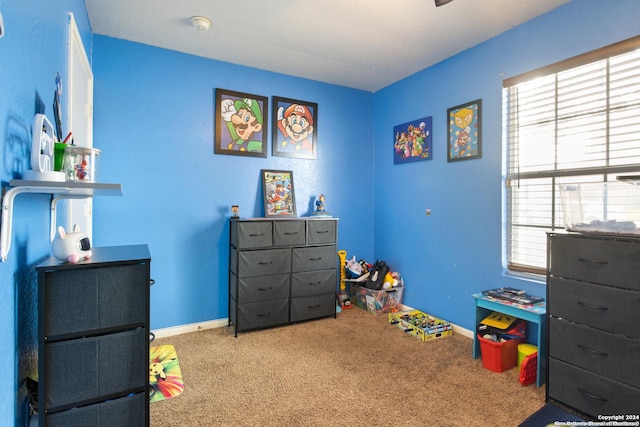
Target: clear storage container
x,y
605,207
81,164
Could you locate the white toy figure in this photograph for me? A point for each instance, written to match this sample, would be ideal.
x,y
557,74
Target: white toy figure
x,y
72,247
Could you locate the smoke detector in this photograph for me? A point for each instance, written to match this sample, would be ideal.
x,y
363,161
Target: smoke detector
x,y
200,22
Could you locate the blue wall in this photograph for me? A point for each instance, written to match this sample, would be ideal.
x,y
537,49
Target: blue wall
x,y
458,250
153,121
32,51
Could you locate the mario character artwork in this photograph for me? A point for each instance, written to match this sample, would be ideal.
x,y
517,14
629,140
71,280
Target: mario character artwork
x,y
242,124
296,123
278,193
464,122
412,141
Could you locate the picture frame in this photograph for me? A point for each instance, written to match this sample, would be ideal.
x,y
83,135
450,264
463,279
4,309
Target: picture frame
x,y
241,123
413,141
294,129
464,131
278,193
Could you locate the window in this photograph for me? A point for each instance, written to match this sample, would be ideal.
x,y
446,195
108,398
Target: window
x,y
576,121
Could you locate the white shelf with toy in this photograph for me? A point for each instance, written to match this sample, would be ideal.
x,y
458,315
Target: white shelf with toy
x,y
60,190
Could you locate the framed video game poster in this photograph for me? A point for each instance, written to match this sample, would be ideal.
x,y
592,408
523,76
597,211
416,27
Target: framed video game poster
x,y
412,141
464,131
241,122
295,128
278,193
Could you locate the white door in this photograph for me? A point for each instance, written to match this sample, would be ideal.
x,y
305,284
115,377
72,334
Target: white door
x,y
80,114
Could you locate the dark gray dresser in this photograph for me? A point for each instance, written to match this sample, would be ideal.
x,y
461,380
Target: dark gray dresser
x,y
593,304
281,271
93,352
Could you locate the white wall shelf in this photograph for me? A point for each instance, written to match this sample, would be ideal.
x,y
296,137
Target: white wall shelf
x,y
62,190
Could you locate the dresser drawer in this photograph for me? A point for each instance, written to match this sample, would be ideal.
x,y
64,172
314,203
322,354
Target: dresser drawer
x,y
609,262
304,308
126,411
261,288
613,356
260,314
77,301
322,231
590,393
260,262
254,234
289,233
313,283
603,307
89,368
314,258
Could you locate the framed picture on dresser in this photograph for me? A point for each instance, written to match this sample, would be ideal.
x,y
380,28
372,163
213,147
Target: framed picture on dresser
x,y
278,193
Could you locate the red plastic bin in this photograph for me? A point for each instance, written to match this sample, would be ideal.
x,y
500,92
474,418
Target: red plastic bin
x,y
499,356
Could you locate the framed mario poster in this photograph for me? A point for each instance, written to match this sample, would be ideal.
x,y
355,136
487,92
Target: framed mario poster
x,y
295,128
241,124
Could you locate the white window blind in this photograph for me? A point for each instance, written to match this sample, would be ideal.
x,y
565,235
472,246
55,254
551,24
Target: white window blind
x,y
573,122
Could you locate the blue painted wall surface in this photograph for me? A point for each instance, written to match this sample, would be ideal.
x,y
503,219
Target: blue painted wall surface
x,y
154,122
459,249
33,49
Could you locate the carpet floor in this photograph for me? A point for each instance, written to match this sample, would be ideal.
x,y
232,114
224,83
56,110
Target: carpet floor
x,y
354,370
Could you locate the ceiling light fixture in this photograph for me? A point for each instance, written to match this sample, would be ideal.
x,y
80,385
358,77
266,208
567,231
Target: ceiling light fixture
x,y
442,2
200,22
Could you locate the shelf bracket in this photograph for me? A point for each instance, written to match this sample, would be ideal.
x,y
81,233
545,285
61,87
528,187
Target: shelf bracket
x,y
7,213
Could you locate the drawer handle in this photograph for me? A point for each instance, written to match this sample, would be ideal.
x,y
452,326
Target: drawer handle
x,y
314,306
266,289
315,283
596,307
291,233
315,259
591,350
265,262
256,234
593,396
593,261
152,282
264,315
322,231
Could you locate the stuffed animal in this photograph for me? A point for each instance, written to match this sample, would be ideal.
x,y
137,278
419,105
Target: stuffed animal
x,y
72,247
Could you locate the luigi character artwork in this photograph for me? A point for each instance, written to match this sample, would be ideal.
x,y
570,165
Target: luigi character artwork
x,y
242,124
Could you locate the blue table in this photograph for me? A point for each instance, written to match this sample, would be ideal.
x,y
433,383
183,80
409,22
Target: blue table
x,y
535,315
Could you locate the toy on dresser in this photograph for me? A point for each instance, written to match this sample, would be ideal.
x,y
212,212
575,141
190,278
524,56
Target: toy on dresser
x,y
72,246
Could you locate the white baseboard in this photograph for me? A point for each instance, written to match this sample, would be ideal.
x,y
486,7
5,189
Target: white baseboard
x,y
192,327
211,324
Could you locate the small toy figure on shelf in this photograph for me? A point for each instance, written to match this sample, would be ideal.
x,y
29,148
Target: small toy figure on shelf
x,y
320,207
235,211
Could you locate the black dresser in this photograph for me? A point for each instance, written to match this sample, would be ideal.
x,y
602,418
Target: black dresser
x,y
93,350
593,304
281,271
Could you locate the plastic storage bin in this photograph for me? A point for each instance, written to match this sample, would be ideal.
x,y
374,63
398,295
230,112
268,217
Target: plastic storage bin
x,y
602,207
376,302
499,356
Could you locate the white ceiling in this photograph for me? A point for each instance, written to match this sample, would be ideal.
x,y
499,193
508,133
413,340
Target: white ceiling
x,y
362,44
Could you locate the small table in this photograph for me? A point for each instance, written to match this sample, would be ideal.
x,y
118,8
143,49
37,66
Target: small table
x,y
536,314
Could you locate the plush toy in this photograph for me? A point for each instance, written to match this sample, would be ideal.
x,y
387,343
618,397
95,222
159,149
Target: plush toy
x,y
73,246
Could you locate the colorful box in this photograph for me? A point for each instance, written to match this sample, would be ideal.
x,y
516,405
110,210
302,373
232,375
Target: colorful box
x,y
421,325
376,302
